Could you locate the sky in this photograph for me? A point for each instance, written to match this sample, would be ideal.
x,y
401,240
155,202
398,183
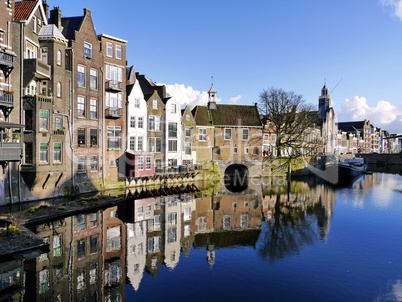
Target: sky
x,y
352,46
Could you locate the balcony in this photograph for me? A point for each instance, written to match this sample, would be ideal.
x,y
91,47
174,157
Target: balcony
x,y
114,86
114,112
6,99
38,68
6,61
10,142
32,99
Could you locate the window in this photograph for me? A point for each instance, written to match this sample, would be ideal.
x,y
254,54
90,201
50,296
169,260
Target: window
x,y
28,153
118,52
59,57
172,235
93,218
114,100
155,104
114,73
132,143
172,127
187,148
113,237
58,90
154,123
173,108
202,134
140,163
227,219
81,106
172,145
88,50
109,49
273,137
137,103
81,137
43,120
155,144
82,162
245,135
81,76
57,152
140,122
265,137
235,150
44,281
93,278
188,131
140,143
255,151
132,121
246,150
94,163
228,134
93,79
93,244
81,248
93,137
81,222
114,137
57,246
187,117
244,220
148,163
217,150
93,108
43,153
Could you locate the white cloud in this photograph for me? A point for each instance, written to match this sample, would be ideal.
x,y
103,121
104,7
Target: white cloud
x,y
396,7
236,99
188,95
383,114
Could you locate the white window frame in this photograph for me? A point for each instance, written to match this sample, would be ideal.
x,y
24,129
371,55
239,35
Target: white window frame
x,y
87,49
118,52
58,152
109,49
227,134
202,134
245,134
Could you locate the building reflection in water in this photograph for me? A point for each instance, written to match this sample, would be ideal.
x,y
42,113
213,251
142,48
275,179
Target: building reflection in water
x,y
93,254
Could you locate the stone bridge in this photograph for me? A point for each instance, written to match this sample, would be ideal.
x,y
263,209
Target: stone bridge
x,y
254,167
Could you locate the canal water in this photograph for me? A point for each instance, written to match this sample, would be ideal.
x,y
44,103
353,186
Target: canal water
x,y
273,241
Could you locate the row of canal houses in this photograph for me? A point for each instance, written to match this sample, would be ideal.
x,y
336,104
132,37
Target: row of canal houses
x,y
75,117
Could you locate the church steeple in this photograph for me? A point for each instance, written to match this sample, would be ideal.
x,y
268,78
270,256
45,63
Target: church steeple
x,y
212,96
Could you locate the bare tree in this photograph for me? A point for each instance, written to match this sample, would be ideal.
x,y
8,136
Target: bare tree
x,y
291,119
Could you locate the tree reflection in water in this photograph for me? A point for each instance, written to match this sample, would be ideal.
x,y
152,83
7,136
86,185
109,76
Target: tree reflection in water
x,y
295,220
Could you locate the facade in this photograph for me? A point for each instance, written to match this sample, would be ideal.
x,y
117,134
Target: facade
x,y
87,105
173,133
114,74
203,136
189,135
362,131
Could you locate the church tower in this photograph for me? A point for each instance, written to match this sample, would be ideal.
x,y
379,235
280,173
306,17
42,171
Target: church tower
x,y
324,102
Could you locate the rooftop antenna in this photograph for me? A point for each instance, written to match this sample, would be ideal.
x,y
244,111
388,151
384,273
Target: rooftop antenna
x,y
336,85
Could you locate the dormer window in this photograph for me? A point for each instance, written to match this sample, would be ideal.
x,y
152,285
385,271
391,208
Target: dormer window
x,y
87,50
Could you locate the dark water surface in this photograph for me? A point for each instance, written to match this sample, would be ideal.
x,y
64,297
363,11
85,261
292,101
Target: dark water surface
x,y
271,242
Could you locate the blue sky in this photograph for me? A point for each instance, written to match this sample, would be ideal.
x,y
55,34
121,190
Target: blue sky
x,y
251,45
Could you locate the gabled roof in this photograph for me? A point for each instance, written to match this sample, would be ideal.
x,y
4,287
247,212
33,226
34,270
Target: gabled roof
x,y
70,25
23,9
235,115
148,87
201,116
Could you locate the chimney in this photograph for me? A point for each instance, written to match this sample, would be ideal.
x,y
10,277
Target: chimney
x,y
55,17
46,8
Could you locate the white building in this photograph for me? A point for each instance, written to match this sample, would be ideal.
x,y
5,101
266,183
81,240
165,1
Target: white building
x,y
137,116
173,134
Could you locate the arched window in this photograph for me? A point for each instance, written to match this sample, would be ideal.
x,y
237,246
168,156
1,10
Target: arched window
x,y
59,57
58,92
